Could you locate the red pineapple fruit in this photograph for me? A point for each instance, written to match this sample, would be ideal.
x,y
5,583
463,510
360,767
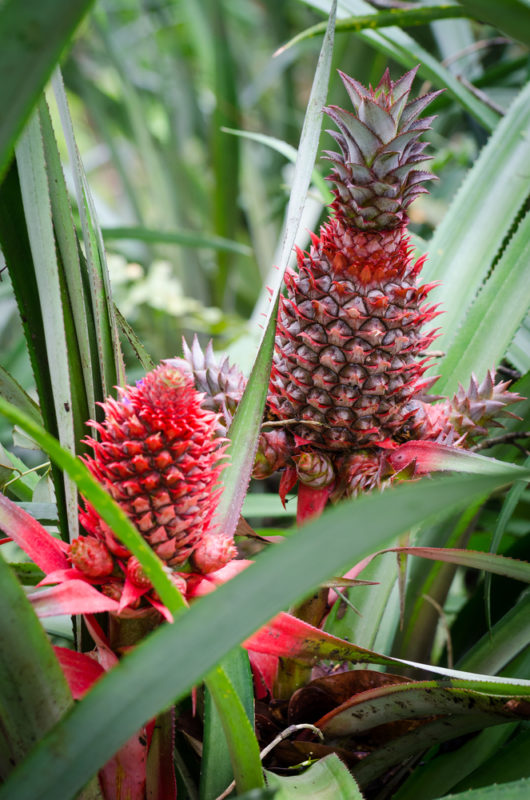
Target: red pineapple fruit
x,y
350,342
159,458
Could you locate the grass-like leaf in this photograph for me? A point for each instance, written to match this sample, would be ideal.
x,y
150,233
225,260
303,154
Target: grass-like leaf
x,y
328,779
37,207
185,238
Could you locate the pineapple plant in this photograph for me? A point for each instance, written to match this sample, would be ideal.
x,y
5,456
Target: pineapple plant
x,y
351,352
160,458
350,346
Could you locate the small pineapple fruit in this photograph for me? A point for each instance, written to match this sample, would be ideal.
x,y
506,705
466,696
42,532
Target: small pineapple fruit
x,y
350,342
160,459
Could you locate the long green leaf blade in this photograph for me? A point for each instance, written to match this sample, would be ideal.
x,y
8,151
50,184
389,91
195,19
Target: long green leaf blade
x,y
494,317
176,656
245,427
406,51
466,242
37,206
33,691
403,17
33,35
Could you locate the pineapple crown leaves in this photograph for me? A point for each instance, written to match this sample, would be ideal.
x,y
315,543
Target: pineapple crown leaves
x,y
375,173
222,384
475,409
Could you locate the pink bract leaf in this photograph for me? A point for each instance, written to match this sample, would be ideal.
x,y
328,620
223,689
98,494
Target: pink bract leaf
x,y
46,551
290,637
264,669
311,502
124,775
80,670
426,457
72,597
131,593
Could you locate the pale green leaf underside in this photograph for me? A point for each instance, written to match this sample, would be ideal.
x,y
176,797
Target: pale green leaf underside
x,y
466,242
328,779
494,317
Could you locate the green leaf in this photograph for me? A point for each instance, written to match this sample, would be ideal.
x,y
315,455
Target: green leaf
x,y
289,152
81,341
445,770
14,393
328,779
516,790
238,729
508,637
398,45
245,428
17,251
216,771
33,35
493,318
467,240
404,17
510,16
172,659
37,207
186,238
108,348
33,690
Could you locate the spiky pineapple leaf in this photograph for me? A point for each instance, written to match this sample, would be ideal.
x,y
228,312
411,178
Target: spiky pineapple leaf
x,y
493,318
515,790
80,340
245,428
175,657
32,36
467,240
443,772
406,51
111,367
508,637
328,779
235,713
55,310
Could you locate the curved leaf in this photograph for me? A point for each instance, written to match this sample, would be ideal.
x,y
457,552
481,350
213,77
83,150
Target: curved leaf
x,y
175,657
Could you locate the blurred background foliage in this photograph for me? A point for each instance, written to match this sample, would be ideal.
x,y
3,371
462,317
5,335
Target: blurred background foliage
x,y
190,212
